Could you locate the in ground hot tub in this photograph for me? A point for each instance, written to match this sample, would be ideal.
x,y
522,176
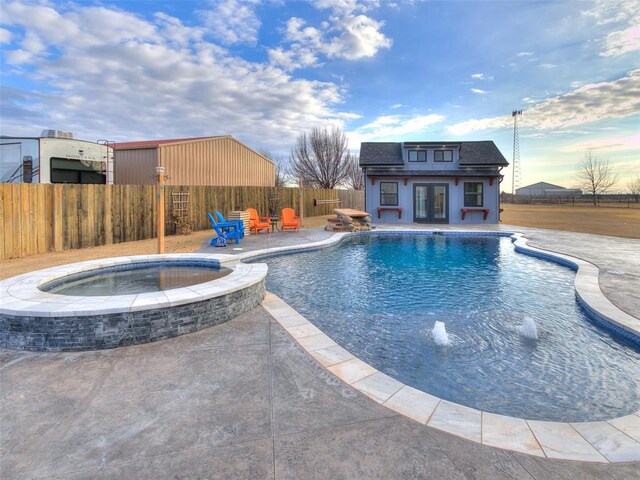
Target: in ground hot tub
x,y
216,290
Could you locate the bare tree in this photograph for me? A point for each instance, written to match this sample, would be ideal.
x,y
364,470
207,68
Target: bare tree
x,y
320,158
633,187
355,174
595,175
282,168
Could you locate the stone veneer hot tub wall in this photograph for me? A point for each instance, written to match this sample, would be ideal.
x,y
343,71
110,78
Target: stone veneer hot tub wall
x,y
34,320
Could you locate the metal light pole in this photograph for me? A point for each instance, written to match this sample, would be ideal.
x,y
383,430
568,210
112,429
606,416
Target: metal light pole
x,y
160,199
516,153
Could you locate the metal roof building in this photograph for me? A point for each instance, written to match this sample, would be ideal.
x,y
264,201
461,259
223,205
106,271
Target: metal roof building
x,y
544,189
219,160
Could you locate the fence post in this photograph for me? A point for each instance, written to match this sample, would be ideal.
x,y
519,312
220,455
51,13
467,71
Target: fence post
x,y
58,227
301,201
160,199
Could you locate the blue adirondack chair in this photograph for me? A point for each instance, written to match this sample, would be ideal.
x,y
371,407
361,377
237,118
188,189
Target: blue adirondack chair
x,y
228,231
224,221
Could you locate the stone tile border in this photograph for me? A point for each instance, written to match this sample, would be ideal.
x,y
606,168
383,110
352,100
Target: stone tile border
x,y
611,441
35,320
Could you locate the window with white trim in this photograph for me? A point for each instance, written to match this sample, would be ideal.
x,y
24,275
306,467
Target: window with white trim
x,y
473,196
389,194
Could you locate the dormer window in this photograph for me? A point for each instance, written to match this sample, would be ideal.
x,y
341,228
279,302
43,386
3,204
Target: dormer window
x,y
443,156
417,155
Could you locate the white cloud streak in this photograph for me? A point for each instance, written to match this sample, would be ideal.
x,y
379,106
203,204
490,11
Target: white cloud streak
x,y
481,76
586,104
623,15
233,21
134,78
346,34
5,36
393,127
619,43
605,144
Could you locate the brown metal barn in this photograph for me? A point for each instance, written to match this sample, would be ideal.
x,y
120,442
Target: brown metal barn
x,y
221,160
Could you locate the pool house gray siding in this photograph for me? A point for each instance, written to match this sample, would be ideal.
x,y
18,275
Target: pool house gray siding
x,y
425,182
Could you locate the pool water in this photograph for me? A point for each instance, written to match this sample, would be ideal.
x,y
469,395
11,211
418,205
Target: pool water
x,y
380,296
133,279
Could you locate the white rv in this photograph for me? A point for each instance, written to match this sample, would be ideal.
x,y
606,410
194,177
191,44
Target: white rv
x,y
55,157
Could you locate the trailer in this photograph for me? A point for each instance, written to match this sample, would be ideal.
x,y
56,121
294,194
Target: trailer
x,y
55,157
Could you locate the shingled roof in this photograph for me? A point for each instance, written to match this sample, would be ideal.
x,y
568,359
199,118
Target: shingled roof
x,y
482,153
380,153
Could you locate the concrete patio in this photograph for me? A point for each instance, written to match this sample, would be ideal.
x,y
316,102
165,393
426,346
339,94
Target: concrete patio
x,y
244,400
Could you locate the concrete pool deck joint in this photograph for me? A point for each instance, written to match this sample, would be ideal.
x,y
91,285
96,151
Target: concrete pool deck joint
x,y
614,440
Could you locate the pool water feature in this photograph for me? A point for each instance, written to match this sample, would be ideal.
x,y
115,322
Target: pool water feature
x,y
133,279
381,296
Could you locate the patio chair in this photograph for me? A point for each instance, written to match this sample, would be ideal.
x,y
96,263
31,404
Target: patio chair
x,y
225,222
227,231
289,219
256,222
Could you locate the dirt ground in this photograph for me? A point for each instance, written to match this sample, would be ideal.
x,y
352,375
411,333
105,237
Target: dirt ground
x,y
614,221
604,220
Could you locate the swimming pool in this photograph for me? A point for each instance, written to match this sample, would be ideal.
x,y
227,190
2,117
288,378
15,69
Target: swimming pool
x,y
380,297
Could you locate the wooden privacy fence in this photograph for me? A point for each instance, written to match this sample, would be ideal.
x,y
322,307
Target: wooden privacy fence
x,y
36,218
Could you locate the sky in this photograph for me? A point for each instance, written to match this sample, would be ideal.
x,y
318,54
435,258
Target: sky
x,y
265,71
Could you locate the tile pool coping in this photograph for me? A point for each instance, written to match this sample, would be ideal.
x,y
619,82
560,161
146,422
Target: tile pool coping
x,y
21,297
610,441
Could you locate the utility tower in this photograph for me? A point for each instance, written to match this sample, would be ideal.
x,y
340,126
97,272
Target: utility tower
x,y
515,173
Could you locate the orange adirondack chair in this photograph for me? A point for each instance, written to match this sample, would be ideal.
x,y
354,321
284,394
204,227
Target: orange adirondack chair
x,y
256,222
289,219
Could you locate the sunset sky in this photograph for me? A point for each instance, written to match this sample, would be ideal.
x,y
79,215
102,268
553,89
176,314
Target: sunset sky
x,y
265,71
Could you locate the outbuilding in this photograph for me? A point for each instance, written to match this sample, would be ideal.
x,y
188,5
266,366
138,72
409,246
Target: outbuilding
x,y
432,182
220,161
544,189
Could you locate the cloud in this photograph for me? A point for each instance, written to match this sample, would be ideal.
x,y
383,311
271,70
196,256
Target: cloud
x,y
233,21
619,43
478,91
586,104
397,105
346,34
481,76
624,15
524,54
393,127
345,6
468,126
605,144
548,65
5,35
606,12
134,78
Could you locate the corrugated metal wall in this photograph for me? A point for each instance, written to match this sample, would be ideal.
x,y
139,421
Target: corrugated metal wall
x,y
220,161
217,161
136,166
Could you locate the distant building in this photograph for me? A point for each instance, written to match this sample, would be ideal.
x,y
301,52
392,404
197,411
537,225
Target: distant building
x,y
544,189
220,161
55,157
